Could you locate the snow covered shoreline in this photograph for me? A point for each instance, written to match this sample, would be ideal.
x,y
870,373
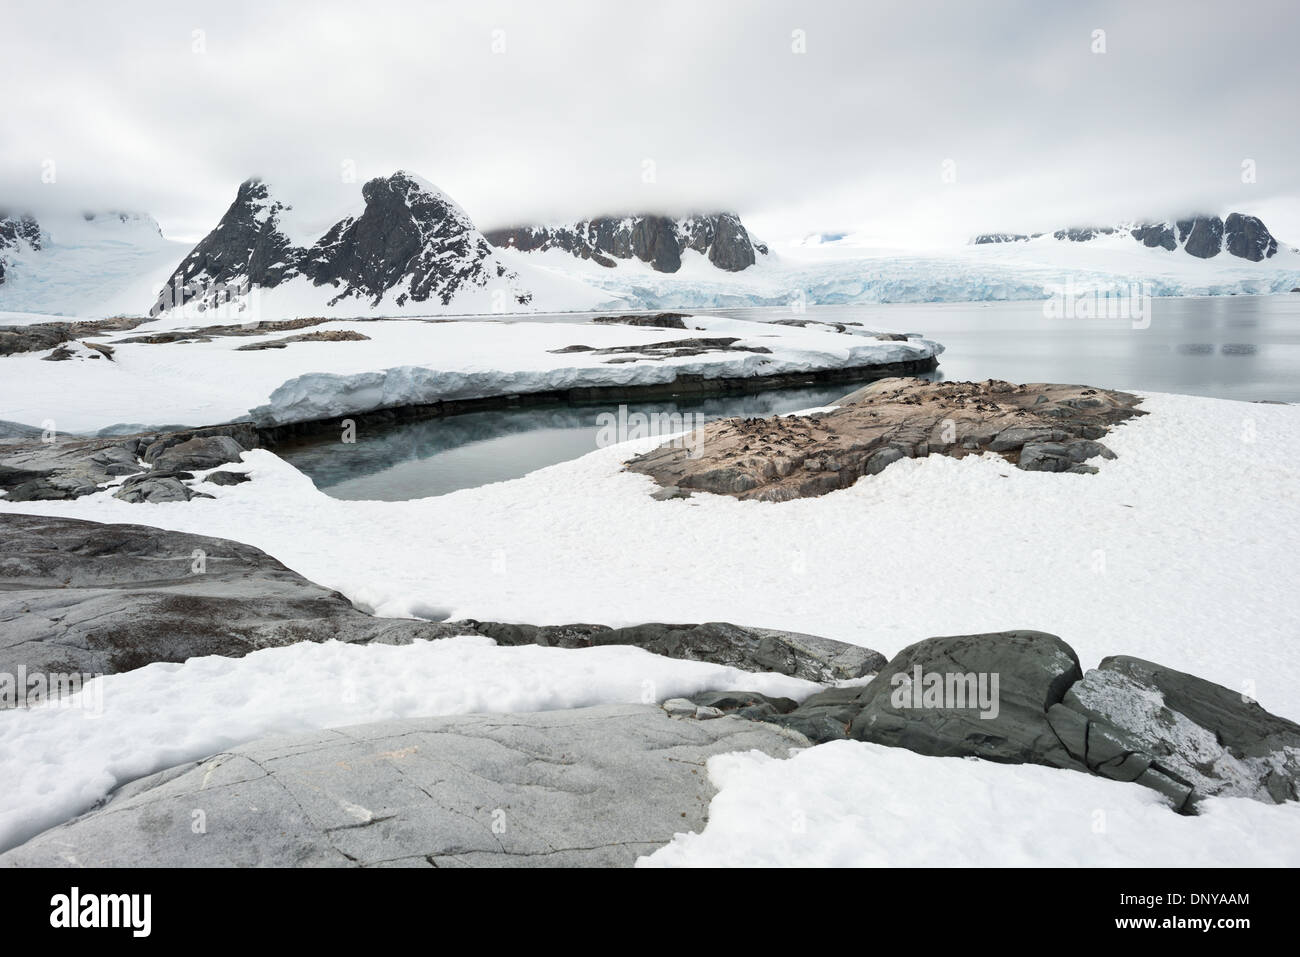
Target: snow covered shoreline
x,y
406,362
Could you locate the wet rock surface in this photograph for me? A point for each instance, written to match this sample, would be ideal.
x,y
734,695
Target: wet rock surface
x,y
1038,427
587,787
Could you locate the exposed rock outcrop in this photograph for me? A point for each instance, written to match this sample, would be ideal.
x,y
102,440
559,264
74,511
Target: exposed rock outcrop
x,y
1045,428
654,239
66,467
84,597
1202,236
718,642
1019,697
588,787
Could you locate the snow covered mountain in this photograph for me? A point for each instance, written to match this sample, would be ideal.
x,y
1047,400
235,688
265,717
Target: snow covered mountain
x,y
107,263
407,247
1202,236
657,240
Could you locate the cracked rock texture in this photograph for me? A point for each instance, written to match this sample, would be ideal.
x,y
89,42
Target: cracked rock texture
x,y
587,787
1128,720
1037,427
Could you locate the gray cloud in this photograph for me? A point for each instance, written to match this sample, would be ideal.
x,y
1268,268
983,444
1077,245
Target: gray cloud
x,y
851,134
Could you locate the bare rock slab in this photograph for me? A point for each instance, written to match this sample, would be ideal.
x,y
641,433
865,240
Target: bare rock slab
x,y
85,597
586,787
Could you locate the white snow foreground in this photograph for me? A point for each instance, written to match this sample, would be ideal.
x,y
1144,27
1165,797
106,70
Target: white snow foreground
x,y
854,804
402,362
59,761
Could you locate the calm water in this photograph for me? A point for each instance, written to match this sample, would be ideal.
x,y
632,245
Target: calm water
x,y
1232,347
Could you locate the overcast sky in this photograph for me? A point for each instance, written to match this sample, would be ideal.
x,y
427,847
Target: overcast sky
x,y
542,110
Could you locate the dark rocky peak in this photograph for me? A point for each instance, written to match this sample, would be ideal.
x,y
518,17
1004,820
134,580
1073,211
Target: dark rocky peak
x,y
1201,236
247,248
650,237
1248,237
1152,235
410,232
1082,234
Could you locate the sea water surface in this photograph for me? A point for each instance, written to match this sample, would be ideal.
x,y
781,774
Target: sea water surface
x,y
1230,347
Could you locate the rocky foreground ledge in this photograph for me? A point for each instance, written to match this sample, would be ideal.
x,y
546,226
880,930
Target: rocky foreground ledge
x,y
591,786
1037,427
86,597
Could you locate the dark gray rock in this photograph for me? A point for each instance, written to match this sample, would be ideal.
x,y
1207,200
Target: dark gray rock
x,y
825,716
84,597
1152,235
1061,456
744,704
1019,673
595,786
1248,237
199,453
659,320
224,477
750,649
652,238
1202,236
1083,234
164,488
1212,737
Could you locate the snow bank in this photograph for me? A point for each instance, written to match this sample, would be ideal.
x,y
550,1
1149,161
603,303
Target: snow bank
x,y
57,762
852,804
401,362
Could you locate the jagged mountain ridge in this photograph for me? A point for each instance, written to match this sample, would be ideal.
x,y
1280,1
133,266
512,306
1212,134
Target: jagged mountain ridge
x,y
1202,236
651,238
410,242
